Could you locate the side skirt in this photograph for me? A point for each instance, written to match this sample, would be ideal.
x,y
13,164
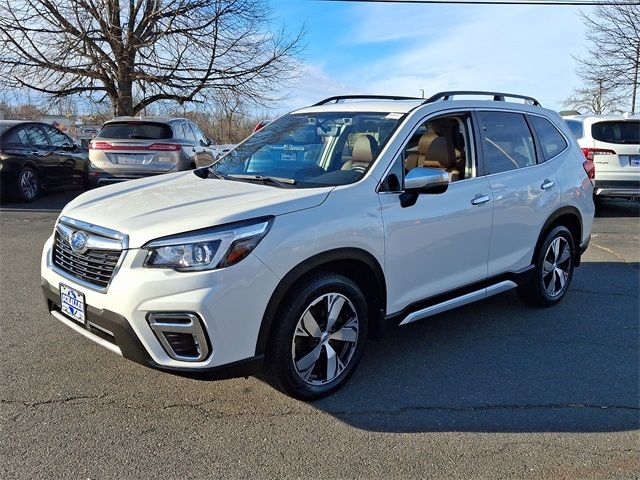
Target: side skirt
x,y
463,296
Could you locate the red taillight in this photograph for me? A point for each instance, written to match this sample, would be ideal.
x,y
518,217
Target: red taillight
x,y
589,153
167,147
164,147
100,146
590,168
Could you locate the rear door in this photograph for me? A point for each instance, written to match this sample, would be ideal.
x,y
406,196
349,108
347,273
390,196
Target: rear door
x,y
41,153
71,162
524,187
204,154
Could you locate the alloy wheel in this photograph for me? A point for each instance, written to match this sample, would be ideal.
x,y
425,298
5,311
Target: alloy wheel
x,y
556,267
325,339
29,184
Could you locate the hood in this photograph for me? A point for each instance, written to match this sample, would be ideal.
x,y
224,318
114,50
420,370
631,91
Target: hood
x,y
174,203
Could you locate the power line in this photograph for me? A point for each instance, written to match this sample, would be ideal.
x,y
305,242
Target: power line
x,y
502,2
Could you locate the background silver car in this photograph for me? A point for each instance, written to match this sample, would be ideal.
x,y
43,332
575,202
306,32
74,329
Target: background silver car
x,y
135,147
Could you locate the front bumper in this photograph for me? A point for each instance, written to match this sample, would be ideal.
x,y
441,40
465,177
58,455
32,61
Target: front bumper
x,y
230,303
114,332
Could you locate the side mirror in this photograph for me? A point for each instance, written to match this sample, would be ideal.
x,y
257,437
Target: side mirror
x,y
423,180
209,142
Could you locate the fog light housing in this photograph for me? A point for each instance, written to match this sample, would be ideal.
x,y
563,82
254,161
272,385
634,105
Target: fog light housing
x,y
181,335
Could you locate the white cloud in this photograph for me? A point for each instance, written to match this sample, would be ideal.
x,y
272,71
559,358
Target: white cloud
x,y
516,49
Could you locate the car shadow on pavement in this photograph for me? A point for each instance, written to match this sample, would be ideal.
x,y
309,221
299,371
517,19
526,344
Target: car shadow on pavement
x,y
502,366
50,201
618,208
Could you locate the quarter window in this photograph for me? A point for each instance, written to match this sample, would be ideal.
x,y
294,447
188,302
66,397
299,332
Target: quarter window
x,y
507,142
550,139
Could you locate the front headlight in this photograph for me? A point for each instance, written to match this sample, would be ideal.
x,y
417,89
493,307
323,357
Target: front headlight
x,y
208,249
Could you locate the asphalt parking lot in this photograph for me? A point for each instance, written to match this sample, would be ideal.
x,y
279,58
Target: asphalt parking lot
x,y
492,390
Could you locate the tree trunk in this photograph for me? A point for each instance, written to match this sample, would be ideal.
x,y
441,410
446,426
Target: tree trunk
x,y
634,83
124,103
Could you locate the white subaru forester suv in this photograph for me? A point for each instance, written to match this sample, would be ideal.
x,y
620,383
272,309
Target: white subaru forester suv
x,y
319,230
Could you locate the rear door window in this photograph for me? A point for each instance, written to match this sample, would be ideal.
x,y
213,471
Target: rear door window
x,y
57,138
136,130
620,132
36,136
551,140
507,142
188,132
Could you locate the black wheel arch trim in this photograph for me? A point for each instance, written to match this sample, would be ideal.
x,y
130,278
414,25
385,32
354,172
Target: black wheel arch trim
x,y
310,264
566,210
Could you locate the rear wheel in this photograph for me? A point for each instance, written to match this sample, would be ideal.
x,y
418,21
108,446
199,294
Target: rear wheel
x,y
28,187
319,337
553,269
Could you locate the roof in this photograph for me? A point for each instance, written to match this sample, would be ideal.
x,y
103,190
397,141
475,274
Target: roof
x,y
582,118
388,106
15,122
142,118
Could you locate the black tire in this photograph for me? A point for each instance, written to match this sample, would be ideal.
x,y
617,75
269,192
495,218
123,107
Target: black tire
x,y
290,342
551,279
28,187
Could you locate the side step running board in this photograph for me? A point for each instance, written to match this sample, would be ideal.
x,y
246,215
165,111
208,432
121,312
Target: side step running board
x,y
459,301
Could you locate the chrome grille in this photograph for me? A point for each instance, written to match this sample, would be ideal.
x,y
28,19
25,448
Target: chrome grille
x,y
94,265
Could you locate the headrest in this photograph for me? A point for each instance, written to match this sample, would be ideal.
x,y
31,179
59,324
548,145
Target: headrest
x,y
441,151
425,142
364,149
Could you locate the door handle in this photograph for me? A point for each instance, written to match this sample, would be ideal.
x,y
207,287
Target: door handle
x,y
480,199
36,153
547,184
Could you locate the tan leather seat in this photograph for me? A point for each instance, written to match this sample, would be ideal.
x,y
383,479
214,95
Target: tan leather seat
x,y
417,159
364,151
441,154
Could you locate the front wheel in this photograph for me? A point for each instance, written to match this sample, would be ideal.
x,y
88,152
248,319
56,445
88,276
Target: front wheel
x,y
553,269
319,337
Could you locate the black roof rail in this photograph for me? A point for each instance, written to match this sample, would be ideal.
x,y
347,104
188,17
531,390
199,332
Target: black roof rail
x,y
339,98
497,96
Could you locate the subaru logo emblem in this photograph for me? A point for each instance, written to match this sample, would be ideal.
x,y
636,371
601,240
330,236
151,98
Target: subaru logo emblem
x,y
78,241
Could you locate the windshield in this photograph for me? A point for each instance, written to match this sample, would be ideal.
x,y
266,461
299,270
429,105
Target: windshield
x,y
312,150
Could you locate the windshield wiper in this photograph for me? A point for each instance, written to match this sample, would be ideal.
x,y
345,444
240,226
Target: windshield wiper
x,y
277,181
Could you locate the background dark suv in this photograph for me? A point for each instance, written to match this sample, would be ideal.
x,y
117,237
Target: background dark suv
x,y
135,147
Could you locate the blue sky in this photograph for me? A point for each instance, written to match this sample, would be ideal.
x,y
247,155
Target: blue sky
x,y
401,48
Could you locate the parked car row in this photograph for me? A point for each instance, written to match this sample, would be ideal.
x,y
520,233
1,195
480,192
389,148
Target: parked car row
x,y
35,156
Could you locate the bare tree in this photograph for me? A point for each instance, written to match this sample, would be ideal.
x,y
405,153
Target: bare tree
x,y
596,97
613,55
138,52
